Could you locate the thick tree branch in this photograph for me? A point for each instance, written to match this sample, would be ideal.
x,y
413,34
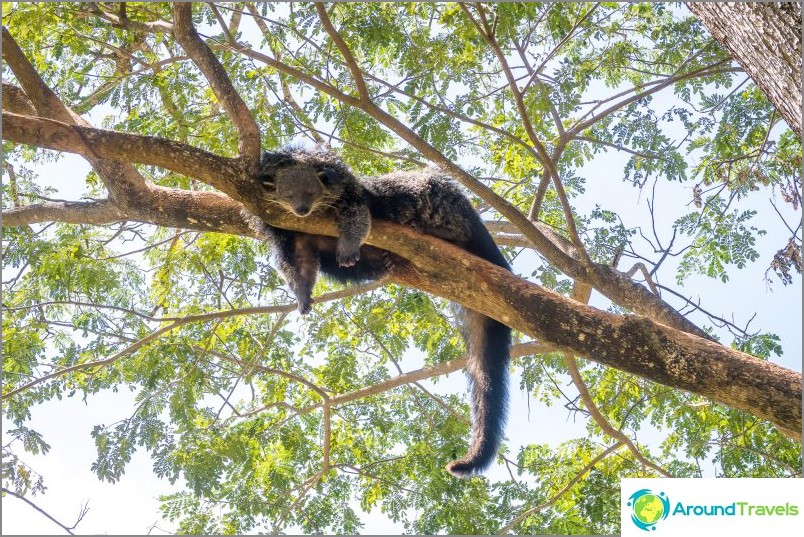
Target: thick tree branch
x,y
164,207
15,100
41,96
630,343
73,212
247,129
223,174
97,144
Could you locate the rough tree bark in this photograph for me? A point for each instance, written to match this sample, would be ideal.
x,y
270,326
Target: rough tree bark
x,y
765,38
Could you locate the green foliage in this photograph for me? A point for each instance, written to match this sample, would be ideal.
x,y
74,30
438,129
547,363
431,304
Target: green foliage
x,y
719,240
230,407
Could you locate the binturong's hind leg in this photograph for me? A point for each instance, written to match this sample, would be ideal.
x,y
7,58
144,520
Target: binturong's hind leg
x,y
298,261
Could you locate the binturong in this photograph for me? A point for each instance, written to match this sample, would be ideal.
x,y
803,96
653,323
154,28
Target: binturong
x,y
307,181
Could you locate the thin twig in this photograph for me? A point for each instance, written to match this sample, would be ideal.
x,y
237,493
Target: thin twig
x,y
83,512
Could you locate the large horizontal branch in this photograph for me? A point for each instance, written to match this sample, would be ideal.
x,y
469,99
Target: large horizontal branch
x,y
164,207
630,343
215,170
71,212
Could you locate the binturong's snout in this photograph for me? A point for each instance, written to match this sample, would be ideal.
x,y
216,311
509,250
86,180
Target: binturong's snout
x,y
302,209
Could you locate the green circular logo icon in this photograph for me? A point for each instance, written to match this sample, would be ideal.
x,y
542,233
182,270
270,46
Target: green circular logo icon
x,y
648,508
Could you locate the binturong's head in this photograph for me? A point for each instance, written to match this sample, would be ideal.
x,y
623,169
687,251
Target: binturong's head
x,y
299,181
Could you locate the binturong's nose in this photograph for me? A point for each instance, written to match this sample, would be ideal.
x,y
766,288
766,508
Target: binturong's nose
x,y
302,209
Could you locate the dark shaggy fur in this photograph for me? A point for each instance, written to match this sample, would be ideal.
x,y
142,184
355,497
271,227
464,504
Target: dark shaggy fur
x,y
305,181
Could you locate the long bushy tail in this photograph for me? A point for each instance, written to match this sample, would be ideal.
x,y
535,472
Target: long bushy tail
x,y
487,367
489,346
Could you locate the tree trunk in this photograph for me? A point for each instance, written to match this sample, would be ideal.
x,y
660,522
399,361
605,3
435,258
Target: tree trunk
x,y
765,38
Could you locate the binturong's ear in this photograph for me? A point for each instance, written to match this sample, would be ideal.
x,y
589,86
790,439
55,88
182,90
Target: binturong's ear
x,y
268,181
328,176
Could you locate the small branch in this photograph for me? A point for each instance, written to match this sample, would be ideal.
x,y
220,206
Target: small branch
x,y
320,392
247,129
13,188
715,318
69,530
652,156
325,465
709,70
283,79
553,499
558,47
152,27
222,23
357,74
641,266
544,157
522,349
538,199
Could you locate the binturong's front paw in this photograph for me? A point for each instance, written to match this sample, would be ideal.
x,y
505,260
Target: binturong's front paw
x,y
347,255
